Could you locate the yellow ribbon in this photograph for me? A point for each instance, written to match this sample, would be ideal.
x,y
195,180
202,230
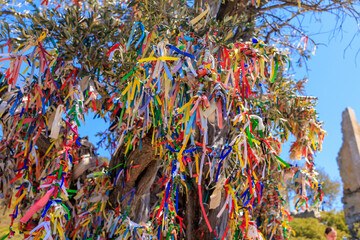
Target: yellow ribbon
x,y
50,148
42,36
149,59
18,200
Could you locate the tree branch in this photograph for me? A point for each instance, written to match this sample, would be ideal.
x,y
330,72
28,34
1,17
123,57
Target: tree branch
x,y
7,12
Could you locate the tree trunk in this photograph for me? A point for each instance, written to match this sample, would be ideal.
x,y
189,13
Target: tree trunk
x,y
137,187
132,189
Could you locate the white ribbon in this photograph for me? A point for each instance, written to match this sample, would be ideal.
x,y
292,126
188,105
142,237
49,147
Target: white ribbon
x,y
55,128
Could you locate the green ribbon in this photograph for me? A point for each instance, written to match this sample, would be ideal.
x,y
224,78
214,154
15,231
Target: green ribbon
x,y
276,69
283,162
129,74
249,137
4,237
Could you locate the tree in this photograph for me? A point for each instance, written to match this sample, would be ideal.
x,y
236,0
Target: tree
x,y
197,119
331,188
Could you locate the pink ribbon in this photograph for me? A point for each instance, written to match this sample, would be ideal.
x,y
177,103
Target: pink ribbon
x,y
197,102
37,206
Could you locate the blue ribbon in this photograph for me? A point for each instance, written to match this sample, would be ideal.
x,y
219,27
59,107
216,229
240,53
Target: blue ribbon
x,y
16,103
2,78
167,70
131,38
181,52
171,149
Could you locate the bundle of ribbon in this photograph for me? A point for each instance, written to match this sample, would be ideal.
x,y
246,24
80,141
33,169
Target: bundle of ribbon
x,y
204,109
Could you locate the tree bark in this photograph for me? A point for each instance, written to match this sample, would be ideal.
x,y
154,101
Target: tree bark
x,y
133,187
